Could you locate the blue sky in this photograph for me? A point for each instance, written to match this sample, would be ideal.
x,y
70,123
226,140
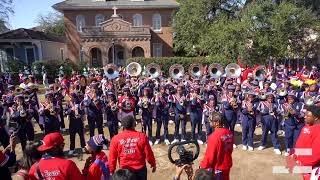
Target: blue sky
x,y
27,11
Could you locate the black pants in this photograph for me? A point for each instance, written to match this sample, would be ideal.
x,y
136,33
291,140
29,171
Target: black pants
x,y
62,125
26,133
113,128
76,126
141,174
4,137
94,122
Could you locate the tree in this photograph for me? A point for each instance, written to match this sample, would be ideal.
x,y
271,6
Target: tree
x,y
255,30
5,11
52,23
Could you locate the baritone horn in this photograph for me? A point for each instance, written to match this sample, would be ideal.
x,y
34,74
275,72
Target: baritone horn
x,y
259,73
153,70
111,71
233,70
134,69
176,71
195,70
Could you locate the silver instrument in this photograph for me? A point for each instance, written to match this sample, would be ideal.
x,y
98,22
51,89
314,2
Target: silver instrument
x,y
111,71
233,70
176,71
134,69
216,70
259,73
153,70
196,70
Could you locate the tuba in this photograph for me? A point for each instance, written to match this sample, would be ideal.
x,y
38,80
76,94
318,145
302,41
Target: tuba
x,y
216,70
259,73
233,70
111,71
134,69
153,70
282,92
176,71
195,70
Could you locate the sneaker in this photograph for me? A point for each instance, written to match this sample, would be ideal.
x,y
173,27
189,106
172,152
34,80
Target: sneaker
x,y
234,146
83,150
238,125
171,122
277,151
63,130
244,147
199,141
183,140
261,148
157,142
167,142
250,148
175,141
70,153
150,142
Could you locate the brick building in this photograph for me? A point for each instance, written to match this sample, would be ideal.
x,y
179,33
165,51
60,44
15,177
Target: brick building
x,y
103,31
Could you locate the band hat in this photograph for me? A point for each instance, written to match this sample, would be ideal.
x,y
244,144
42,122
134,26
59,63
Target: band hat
x,y
269,93
51,140
292,94
96,141
19,96
211,97
231,87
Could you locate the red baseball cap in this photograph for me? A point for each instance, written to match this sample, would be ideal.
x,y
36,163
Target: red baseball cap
x,y
51,140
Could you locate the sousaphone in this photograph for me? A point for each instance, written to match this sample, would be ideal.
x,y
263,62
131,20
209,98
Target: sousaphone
x,y
233,70
259,73
196,70
215,70
111,71
153,70
176,71
134,69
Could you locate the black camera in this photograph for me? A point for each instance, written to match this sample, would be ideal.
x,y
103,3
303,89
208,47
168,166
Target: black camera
x,y
185,156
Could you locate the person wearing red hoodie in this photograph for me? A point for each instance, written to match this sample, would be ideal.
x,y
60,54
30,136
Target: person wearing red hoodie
x,y
307,149
96,166
218,155
132,150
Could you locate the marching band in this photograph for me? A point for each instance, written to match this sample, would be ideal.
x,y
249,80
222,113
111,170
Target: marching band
x,y
273,99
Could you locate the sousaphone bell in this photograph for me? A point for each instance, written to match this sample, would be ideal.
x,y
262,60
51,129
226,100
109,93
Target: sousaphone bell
x,y
233,70
176,71
259,73
111,71
195,70
134,69
153,70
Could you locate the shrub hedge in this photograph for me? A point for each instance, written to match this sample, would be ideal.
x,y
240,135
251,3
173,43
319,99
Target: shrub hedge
x,y
166,62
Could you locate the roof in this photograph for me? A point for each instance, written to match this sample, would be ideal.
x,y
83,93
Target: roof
x,y
23,33
121,4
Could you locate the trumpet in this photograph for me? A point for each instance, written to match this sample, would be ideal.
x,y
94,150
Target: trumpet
x,y
145,103
288,112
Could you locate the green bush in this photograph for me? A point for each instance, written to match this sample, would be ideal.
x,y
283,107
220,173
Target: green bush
x,y
166,62
15,66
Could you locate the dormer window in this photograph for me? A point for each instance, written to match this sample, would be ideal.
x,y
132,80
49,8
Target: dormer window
x,y
99,19
137,20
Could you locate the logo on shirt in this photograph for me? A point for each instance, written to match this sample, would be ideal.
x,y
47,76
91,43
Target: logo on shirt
x,y
129,144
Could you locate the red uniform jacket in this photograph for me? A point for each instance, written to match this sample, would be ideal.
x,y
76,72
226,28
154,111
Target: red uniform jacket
x,y
131,149
94,172
309,138
57,169
218,154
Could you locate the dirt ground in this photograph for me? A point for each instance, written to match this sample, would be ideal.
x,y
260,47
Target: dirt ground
x,y
247,165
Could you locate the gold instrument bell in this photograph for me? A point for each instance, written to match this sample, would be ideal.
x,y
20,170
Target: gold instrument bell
x,y
134,69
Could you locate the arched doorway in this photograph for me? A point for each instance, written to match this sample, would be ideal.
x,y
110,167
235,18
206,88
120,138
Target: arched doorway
x,y
119,58
96,57
137,52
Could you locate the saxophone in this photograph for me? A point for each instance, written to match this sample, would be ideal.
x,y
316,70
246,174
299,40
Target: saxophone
x,y
271,109
76,111
287,111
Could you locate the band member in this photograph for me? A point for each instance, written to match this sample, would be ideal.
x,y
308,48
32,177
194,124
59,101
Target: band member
x,y
94,108
293,121
4,136
146,112
268,110
248,110
230,107
126,103
209,108
180,111
75,112
49,112
195,109
162,105
112,114
58,97
20,114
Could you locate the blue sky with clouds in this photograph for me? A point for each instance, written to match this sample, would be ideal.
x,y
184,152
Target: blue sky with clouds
x,y
27,11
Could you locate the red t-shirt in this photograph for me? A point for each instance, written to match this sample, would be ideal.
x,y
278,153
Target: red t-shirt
x,y
218,155
132,149
56,169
